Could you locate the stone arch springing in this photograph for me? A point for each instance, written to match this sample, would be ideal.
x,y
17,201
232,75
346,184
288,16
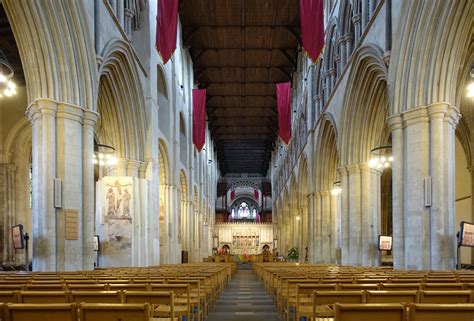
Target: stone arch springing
x,y
417,81
64,72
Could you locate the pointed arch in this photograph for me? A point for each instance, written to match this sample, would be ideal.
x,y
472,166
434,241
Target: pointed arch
x,y
365,108
326,155
120,102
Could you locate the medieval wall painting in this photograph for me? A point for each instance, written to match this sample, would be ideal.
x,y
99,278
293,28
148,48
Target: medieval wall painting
x,y
118,219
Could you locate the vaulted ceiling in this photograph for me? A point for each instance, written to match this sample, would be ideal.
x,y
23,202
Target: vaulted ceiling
x,y
240,50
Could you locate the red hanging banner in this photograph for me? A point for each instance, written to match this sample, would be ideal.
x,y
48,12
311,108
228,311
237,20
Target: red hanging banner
x,y
284,111
255,194
232,195
312,27
166,28
199,118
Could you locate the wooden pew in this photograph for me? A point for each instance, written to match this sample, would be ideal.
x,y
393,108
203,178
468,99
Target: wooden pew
x,y
114,312
42,311
441,312
369,312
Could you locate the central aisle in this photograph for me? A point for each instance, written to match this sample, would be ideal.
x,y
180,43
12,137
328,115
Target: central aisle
x,y
244,299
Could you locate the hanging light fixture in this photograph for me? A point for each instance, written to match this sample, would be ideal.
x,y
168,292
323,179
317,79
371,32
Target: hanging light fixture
x,y
7,86
381,157
336,189
104,155
470,86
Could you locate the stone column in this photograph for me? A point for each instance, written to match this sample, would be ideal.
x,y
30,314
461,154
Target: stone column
x,y
342,50
88,189
120,12
335,237
357,19
340,66
365,15
326,227
318,228
311,214
348,44
7,210
42,115
361,214
343,174
428,153
398,214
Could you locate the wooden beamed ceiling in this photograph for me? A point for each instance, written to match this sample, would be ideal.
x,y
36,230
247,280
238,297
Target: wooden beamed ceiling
x,y
240,50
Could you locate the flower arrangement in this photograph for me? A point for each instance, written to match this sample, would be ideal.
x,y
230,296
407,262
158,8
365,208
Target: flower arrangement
x,y
293,253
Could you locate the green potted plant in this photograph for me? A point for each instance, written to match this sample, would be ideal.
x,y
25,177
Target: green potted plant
x,y
292,254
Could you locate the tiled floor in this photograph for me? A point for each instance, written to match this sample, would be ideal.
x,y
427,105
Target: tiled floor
x,y
244,299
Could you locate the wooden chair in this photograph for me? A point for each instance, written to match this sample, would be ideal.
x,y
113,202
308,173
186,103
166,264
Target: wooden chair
x,y
129,287
442,286
96,296
441,312
324,300
43,312
44,297
391,296
446,297
9,296
87,287
114,312
197,300
162,303
357,287
181,297
400,286
369,312
303,304
12,287
45,287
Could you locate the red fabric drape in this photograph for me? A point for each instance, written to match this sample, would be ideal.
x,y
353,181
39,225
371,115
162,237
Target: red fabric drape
x,y
284,111
312,27
166,28
199,118
232,195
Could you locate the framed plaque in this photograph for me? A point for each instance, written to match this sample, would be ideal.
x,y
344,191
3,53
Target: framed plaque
x,y
18,238
385,243
72,217
96,243
466,234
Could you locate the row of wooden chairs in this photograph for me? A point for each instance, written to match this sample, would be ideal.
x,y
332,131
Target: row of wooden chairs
x,y
193,288
403,312
320,303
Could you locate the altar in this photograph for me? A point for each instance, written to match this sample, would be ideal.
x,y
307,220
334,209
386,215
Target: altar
x,y
244,238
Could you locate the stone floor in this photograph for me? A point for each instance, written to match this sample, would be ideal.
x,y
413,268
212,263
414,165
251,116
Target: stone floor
x,y
244,299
